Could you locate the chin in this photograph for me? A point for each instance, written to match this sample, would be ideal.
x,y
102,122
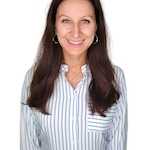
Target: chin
x,y
75,52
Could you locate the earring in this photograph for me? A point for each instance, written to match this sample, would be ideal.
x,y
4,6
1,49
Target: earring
x,y
95,41
53,39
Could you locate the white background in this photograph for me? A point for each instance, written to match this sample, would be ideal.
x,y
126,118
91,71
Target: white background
x,y
21,26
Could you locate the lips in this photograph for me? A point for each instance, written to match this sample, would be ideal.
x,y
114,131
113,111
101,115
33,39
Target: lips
x,y
75,42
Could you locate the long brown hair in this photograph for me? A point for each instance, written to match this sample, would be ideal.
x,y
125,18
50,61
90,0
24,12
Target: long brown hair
x,y
102,90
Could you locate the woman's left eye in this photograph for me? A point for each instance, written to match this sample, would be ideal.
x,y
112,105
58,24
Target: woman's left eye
x,y
86,21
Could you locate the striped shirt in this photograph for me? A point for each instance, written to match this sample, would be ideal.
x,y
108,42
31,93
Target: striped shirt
x,y
70,124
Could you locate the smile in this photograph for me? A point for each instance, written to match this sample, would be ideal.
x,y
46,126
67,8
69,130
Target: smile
x,y
75,42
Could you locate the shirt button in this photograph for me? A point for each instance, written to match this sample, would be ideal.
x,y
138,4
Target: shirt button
x,y
75,92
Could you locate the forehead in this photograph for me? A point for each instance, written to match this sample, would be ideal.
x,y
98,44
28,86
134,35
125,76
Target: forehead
x,y
75,8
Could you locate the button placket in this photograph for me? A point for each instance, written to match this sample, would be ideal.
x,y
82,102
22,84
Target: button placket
x,y
76,121
74,142
75,94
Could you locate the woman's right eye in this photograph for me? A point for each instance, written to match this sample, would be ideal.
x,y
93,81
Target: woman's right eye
x,y
65,21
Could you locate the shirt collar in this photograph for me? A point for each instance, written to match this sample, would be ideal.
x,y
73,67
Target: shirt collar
x,y
84,69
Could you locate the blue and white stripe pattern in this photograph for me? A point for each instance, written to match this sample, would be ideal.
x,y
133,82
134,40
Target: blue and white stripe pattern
x,y
70,125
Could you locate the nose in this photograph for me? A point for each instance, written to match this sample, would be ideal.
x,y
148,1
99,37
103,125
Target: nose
x,y
76,31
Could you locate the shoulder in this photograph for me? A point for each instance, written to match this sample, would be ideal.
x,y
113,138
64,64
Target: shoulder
x,y
28,75
119,74
118,71
26,83
120,80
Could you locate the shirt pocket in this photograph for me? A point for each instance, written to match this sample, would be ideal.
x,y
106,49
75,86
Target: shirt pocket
x,y
102,127
97,123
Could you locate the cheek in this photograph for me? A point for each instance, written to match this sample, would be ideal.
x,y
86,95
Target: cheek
x,y
63,33
61,30
88,31
89,35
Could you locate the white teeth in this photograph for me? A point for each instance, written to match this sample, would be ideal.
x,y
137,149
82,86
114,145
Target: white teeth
x,y
72,42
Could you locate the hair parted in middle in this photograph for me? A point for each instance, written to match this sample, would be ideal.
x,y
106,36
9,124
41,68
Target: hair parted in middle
x,y
103,91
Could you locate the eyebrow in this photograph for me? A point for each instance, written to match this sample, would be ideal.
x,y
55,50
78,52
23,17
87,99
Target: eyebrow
x,y
92,17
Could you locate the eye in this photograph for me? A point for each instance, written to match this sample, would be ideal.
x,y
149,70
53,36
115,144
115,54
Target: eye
x,y
86,21
65,20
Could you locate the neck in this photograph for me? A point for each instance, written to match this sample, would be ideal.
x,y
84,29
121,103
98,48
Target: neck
x,y
75,62
74,67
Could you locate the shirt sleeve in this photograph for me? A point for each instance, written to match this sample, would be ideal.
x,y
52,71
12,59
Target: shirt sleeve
x,y
28,127
119,134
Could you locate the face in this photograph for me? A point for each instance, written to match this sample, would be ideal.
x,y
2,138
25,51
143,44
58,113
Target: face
x,y
75,26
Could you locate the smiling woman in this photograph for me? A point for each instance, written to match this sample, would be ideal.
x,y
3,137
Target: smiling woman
x,y
75,29
73,97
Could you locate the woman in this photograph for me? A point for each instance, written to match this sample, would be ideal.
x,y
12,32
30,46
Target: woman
x,y
73,98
